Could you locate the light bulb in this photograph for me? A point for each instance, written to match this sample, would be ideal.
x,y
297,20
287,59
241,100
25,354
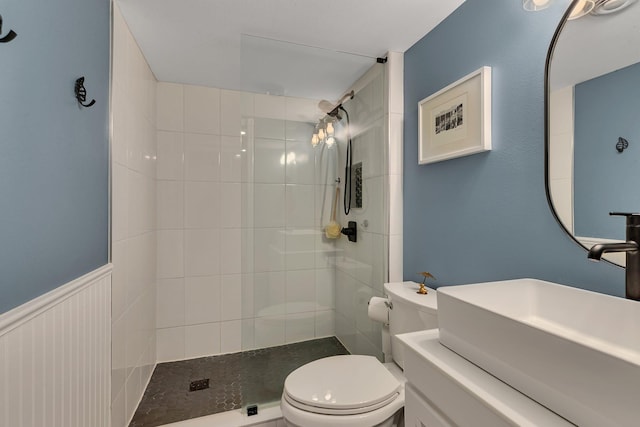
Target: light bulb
x,y
315,139
321,134
330,129
581,8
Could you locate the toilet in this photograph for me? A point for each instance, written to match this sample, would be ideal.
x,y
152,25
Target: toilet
x,y
356,390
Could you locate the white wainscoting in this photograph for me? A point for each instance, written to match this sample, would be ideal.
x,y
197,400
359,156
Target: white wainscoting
x,y
55,357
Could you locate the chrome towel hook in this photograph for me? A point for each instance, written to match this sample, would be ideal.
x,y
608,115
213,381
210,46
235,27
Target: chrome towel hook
x,y
10,35
81,93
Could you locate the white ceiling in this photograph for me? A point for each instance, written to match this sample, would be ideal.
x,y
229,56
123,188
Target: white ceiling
x,y
222,43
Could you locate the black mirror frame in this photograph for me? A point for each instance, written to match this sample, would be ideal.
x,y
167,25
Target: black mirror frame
x,y
547,121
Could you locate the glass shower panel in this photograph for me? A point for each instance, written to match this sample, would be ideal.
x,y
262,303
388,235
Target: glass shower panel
x,y
287,191
362,267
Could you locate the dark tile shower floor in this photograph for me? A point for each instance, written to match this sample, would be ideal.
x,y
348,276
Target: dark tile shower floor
x,y
238,379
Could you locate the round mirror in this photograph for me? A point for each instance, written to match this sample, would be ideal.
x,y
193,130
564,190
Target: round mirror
x,y
593,122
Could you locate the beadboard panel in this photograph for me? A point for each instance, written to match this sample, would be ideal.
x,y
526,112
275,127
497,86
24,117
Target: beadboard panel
x,y
55,361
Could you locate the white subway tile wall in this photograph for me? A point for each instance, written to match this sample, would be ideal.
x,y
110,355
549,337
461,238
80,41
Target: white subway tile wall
x,y
134,222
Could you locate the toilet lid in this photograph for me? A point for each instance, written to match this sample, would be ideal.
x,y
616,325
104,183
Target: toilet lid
x,y
341,384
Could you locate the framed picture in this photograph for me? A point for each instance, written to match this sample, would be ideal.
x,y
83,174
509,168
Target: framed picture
x,y
456,121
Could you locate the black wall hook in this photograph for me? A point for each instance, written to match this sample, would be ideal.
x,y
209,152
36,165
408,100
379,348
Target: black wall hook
x,y
622,144
10,35
81,93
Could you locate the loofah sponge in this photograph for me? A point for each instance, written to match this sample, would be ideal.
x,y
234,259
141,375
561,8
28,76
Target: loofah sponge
x,y
332,230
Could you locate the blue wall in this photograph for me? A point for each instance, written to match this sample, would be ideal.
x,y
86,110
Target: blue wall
x,y
485,217
54,156
605,180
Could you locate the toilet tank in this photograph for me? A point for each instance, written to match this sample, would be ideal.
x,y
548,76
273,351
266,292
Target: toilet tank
x,y
409,312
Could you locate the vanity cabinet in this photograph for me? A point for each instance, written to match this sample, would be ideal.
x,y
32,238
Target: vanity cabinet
x,y
419,412
446,390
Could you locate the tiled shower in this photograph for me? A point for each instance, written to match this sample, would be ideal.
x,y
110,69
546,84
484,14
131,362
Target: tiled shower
x,y
241,261
219,204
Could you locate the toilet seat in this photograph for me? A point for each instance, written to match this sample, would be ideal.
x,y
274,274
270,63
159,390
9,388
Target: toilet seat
x,y
341,385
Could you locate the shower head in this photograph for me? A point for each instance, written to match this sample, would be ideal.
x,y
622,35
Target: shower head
x,y
325,106
332,109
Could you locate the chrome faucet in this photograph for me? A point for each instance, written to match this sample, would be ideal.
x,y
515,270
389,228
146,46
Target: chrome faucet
x,y
632,265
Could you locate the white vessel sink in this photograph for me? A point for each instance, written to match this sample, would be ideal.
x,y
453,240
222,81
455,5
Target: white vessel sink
x,y
574,351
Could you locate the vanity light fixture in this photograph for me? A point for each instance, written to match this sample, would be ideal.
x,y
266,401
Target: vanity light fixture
x,y
582,7
324,132
535,5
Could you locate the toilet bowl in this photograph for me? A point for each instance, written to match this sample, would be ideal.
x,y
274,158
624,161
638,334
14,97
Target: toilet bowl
x,y
357,390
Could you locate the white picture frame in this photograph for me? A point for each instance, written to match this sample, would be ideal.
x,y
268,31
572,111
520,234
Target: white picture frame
x,y
456,120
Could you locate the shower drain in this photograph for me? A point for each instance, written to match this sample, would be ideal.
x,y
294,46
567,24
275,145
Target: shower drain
x,y
199,384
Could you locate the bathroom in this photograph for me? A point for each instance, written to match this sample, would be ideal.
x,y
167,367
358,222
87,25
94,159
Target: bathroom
x,y
472,219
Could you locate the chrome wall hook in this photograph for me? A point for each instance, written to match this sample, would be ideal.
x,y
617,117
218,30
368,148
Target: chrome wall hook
x,y
10,35
81,93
